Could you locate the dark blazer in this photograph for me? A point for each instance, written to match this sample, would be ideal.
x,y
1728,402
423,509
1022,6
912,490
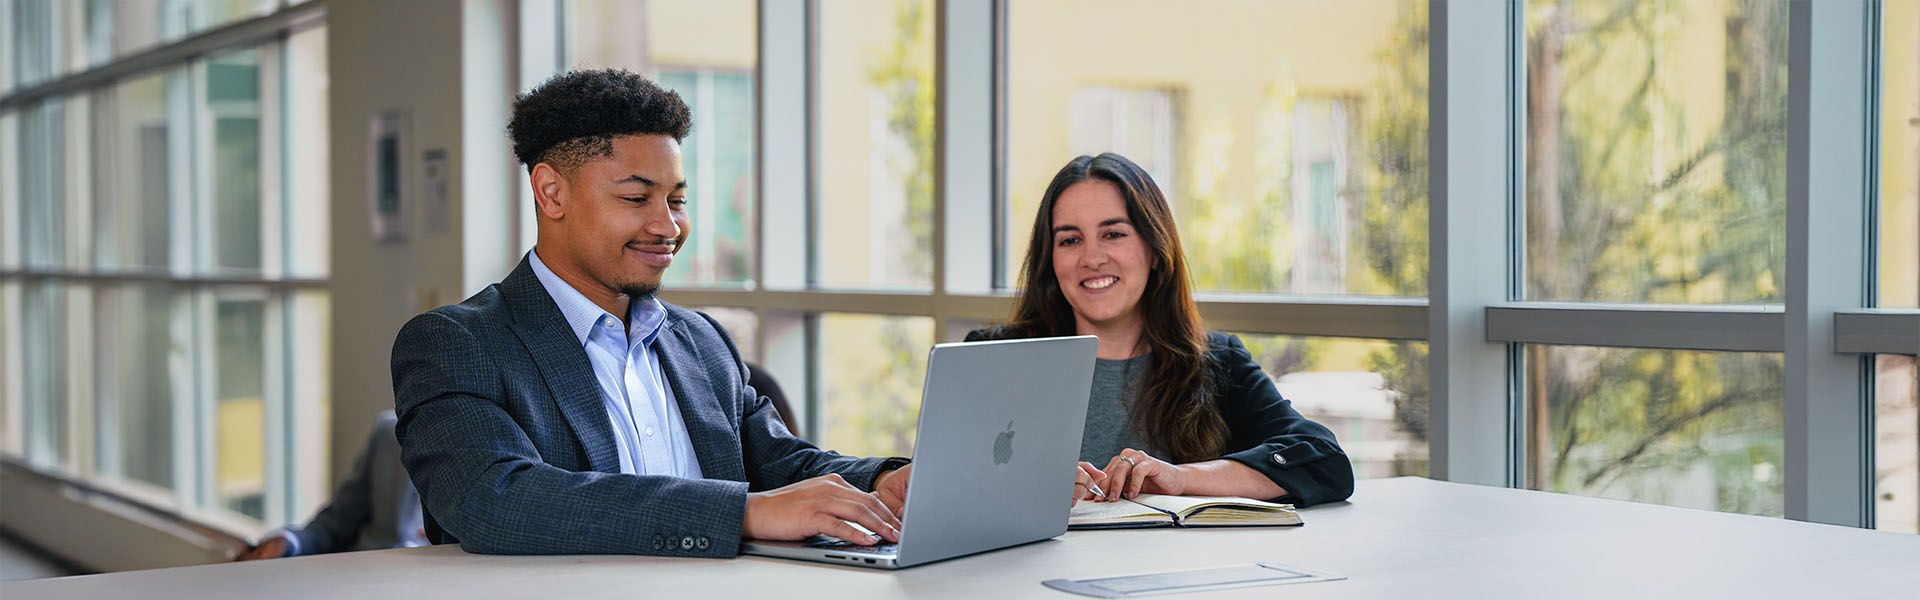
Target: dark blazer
x,y
1264,432
504,432
375,508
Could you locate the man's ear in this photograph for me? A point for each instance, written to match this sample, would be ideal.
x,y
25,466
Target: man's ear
x,y
549,190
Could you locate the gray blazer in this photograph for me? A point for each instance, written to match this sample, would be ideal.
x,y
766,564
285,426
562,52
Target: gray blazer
x,y
503,430
375,508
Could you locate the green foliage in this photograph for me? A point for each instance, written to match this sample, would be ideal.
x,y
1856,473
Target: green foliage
x,y
904,74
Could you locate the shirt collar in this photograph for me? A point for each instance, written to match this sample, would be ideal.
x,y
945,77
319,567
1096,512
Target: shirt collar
x,y
644,317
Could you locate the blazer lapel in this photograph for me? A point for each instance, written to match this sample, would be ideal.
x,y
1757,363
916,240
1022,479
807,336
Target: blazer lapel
x,y
712,434
563,365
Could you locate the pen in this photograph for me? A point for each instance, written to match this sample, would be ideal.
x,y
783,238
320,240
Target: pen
x,y
1096,490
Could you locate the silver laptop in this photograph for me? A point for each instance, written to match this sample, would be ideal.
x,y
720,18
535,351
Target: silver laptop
x,y
1000,426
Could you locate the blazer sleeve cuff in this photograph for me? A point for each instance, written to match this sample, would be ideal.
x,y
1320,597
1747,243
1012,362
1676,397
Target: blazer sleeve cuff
x,y
716,537
1310,475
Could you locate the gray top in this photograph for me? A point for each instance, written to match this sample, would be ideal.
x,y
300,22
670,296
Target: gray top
x,y
1115,383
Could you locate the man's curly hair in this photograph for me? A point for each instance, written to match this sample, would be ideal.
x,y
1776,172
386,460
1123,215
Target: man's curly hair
x,y
573,117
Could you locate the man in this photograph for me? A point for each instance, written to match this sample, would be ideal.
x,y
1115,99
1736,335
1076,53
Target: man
x,y
375,508
565,410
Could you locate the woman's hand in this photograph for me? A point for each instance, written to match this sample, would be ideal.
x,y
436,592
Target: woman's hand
x,y
1083,482
1134,472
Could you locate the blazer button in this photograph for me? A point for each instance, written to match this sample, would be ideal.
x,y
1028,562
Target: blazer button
x,y
702,543
1278,459
659,542
686,543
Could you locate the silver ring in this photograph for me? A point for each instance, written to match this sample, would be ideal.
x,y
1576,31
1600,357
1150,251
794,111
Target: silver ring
x,y
1130,462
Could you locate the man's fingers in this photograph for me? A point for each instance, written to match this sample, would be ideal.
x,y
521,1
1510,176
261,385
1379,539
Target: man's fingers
x,y
839,528
893,503
866,515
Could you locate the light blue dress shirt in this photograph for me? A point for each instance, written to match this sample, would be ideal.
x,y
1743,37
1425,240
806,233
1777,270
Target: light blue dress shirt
x,y
647,427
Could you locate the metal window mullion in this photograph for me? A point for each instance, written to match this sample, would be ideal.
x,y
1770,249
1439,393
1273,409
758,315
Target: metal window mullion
x,y
783,166
1828,415
277,505
1473,106
12,386
484,177
271,82
1877,331
236,35
1710,328
783,114
201,427
964,134
181,229
79,389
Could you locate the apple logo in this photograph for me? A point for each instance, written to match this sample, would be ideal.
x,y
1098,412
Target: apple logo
x,y
1003,446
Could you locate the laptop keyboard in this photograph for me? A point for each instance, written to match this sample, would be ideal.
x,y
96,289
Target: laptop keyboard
x,y
834,543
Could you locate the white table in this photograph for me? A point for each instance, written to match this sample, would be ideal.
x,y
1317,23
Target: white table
x,y
1397,538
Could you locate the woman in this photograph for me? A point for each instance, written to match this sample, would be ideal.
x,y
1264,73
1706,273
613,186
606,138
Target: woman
x,y
1176,409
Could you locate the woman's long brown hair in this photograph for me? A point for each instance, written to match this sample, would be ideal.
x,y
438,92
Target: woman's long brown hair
x,y
1173,408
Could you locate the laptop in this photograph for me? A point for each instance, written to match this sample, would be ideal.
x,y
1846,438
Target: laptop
x,y
993,462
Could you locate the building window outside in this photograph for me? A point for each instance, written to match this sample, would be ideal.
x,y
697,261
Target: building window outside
x,y
161,309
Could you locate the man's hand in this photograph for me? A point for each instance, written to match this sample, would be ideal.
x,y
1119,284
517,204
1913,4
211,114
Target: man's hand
x,y
273,547
823,504
891,489
1134,472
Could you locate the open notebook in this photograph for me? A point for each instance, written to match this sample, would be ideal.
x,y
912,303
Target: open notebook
x,y
1154,510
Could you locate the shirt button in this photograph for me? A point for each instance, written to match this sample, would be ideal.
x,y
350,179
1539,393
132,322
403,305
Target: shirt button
x,y
686,543
649,432
1279,459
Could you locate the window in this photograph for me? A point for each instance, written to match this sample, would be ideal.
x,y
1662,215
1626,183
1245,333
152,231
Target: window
x,y
165,318
1655,151
1371,393
1693,429
1900,155
873,368
873,187
1290,138
1897,378
706,52
1896,413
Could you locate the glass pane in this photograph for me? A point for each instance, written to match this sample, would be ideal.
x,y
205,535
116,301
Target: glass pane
x,y
132,209
35,40
1656,150
10,181
44,352
872,368
741,325
306,154
12,372
1691,429
1371,393
873,196
232,112
134,395
123,26
308,363
1299,166
706,52
1896,456
42,154
1900,155
240,421
183,18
